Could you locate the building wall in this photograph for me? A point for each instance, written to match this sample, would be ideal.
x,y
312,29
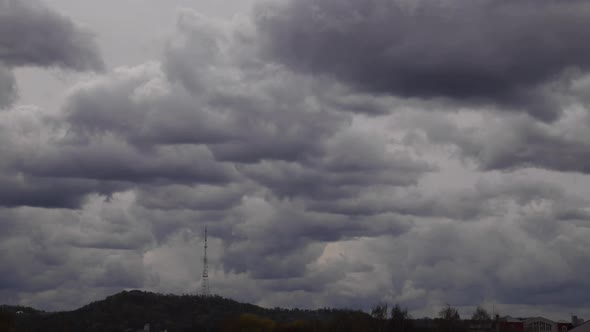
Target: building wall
x,y
511,326
561,327
582,328
540,324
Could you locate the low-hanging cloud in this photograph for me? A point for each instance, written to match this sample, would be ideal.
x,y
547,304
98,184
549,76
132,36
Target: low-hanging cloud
x,y
308,186
513,54
245,151
31,34
7,87
516,142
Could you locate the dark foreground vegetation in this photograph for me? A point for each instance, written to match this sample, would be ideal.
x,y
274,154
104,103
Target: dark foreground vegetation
x,y
134,310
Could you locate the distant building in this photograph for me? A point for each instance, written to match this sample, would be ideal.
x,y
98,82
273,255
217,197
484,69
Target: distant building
x,y
424,324
540,324
508,324
577,320
584,327
479,326
563,326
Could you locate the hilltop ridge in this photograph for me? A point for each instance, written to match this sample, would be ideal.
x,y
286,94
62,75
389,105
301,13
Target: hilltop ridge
x,y
132,310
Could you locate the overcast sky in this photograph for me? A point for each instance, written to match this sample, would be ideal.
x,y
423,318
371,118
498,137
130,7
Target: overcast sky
x,y
340,152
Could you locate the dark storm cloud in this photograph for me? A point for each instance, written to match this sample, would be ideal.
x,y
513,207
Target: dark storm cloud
x,y
27,135
206,139
33,35
8,91
522,250
280,239
139,105
18,190
108,160
477,52
43,167
460,205
146,127
537,147
42,250
306,191
200,197
269,113
510,143
119,273
287,135
348,162
279,128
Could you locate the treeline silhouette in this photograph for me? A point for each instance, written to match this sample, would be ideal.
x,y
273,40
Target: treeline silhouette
x,y
132,310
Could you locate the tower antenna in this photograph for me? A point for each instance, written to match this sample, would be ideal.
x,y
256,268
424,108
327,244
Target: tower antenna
x,y
205,277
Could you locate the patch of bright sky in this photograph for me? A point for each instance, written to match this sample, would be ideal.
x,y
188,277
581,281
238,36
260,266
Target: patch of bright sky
x,y
128,32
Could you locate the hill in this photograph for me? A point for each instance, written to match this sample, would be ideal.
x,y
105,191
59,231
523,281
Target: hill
x,y
132,310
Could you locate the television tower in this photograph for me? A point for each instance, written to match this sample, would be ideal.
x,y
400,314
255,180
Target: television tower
x,y
205,277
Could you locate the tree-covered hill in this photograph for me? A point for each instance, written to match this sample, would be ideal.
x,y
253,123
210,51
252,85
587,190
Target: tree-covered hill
x,y
132,310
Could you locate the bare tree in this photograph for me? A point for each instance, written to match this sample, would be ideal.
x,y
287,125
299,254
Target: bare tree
x,y
480,314
379,313
449,320
400,319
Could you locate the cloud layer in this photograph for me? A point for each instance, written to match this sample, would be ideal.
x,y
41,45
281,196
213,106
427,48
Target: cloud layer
x,y
32,34
304,139
485,52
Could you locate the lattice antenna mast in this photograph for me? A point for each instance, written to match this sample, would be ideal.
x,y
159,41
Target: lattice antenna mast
x,y
205,277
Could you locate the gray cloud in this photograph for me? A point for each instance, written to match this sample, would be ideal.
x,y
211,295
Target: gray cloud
x,y
141,106
46,259
309,187
349,162
8,92
267,121
200,197
34,35
110,161
507,249
222,153
39,158
479,52
283,252
18,190
511,143
27,134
